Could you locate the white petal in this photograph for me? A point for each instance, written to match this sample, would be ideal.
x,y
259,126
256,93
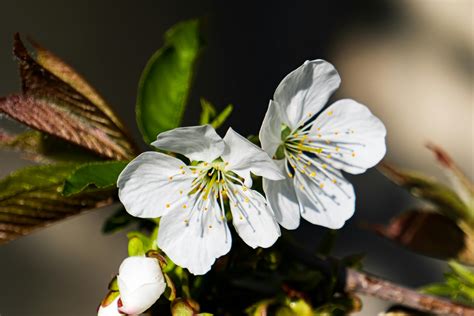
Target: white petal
x,y
199,143
141,283
305,91
270,132
110,310
195,238
253,219
244,157
324,202
153,184
359,135
282,198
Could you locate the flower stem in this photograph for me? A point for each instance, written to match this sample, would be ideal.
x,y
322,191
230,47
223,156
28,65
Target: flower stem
x,y
362,283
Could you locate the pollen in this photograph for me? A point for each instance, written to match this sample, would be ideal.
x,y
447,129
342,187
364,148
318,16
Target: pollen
x,y
313,174
185,206
324,166
168,205
330,113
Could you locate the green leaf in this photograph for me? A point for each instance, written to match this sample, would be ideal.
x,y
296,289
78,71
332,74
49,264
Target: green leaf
x,y
98,175
222,117
165,83
31,198
208,112
458,285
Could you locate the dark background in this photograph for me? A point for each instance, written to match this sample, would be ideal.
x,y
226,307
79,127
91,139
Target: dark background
x,y
410,63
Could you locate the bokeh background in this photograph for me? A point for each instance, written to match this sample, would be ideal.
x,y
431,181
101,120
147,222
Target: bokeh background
x,y
411,62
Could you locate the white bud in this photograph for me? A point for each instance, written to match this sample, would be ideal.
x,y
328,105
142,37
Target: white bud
x,y
110,310
141,283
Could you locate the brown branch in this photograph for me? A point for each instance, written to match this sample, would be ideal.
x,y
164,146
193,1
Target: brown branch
x,y
370,285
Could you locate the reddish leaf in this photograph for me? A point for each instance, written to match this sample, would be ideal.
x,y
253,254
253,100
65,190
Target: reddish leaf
x,y
45,116
59,101
431,234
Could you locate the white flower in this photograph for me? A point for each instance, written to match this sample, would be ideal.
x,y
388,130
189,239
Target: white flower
x,y
140,283
111,309
190,199
312,149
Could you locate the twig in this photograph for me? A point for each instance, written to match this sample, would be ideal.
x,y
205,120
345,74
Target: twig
x,y
370,285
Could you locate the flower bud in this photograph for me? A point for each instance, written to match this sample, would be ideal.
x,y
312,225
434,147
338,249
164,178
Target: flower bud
x,y
141,283
110,309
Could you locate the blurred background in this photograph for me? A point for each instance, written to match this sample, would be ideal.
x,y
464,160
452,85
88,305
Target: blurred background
x,y
411,62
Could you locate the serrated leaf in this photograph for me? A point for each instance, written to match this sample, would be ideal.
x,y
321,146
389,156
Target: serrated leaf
x,y
445,199
222,117
165,83
98,175
430,234
56,101
44,148
31,198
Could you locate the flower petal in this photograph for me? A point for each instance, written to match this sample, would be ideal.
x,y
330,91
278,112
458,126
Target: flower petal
x,y
324,202
253,219
154,184
195,237
199,143
141,283
270,132
305,91
351,134
282,198
244,157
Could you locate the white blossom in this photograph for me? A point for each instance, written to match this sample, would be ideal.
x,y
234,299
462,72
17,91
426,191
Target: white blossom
x,y
190,198
312,148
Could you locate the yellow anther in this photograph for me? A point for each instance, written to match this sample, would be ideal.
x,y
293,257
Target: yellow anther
x,y
181,167
310,114
168,205
205,208
246,200
321,185
209,174
170,178
180,191
319,135
337,148
290,175
330,113
210,226
205,164
183,172
328,141
244,188
353,154
324,166
186,221
329,156
185,206
313,174
334,181
318,129
226,163
241,218
302,187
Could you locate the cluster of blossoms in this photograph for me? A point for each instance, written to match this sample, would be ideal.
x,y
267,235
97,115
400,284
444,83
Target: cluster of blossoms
x,y
303,152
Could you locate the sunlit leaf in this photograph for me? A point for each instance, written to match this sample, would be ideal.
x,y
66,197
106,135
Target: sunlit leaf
x,y
222,117
445,199
458,285
31,198
56,101
165,83
431,234
99,175
208,112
